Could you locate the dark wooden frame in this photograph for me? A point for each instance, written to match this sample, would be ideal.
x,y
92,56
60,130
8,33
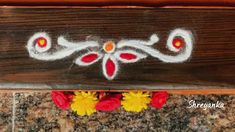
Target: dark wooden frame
x,y
196,91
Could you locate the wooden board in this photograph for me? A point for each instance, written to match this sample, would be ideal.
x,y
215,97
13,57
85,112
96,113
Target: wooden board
x,y
121,2
211,65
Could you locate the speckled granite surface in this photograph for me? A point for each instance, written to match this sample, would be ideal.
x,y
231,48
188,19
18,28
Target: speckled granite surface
x,y
35,112
6,112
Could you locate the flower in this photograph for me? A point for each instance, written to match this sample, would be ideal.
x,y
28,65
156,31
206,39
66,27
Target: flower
x,y
111,54
159,99
84,103
109,102
60,99
135,101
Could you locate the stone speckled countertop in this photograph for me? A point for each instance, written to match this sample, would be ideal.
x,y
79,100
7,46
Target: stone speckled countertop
x,y
35,112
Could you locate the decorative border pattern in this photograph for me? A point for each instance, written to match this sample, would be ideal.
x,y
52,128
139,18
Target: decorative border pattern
x,y
87,102
125,51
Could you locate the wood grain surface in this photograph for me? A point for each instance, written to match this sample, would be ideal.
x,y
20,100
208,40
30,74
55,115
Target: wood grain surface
x,y
121,2
211,65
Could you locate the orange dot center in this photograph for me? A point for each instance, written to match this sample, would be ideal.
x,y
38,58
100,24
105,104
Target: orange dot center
x,y
42,42
178,44
109,46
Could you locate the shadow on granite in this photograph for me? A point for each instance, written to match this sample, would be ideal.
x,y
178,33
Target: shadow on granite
x,y
35,112
5,112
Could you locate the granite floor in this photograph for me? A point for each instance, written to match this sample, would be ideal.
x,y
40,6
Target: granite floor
x,y
35,112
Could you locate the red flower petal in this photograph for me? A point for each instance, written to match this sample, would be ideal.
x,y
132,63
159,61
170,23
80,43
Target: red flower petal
x,y
128,56
110,67
108,103
89,58
118,96
159,99
60,99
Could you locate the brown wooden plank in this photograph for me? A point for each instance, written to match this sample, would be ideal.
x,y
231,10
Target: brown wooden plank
x,y
210,66
121,2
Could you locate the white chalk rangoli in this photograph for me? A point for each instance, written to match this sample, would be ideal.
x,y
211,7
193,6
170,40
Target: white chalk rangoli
x,y
124,51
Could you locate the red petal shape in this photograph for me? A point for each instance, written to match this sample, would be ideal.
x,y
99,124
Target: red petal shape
x,y
118,96
128,56
60,99
159,99
108,103
89,58
110,67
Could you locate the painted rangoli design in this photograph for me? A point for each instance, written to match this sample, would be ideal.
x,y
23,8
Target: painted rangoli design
x,y
110,53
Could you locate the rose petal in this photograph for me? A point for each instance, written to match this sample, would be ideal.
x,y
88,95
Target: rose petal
x,y
88,58
118,96
108,103
60,99
159,99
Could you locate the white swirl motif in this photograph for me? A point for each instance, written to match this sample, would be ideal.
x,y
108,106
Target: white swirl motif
x,y
145,46
179,41
67,49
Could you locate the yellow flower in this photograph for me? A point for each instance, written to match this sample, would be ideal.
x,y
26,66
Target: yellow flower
x,y
135,101
84,103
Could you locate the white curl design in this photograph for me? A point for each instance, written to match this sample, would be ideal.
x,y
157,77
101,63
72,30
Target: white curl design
x,y
67,48
125,51
145,46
